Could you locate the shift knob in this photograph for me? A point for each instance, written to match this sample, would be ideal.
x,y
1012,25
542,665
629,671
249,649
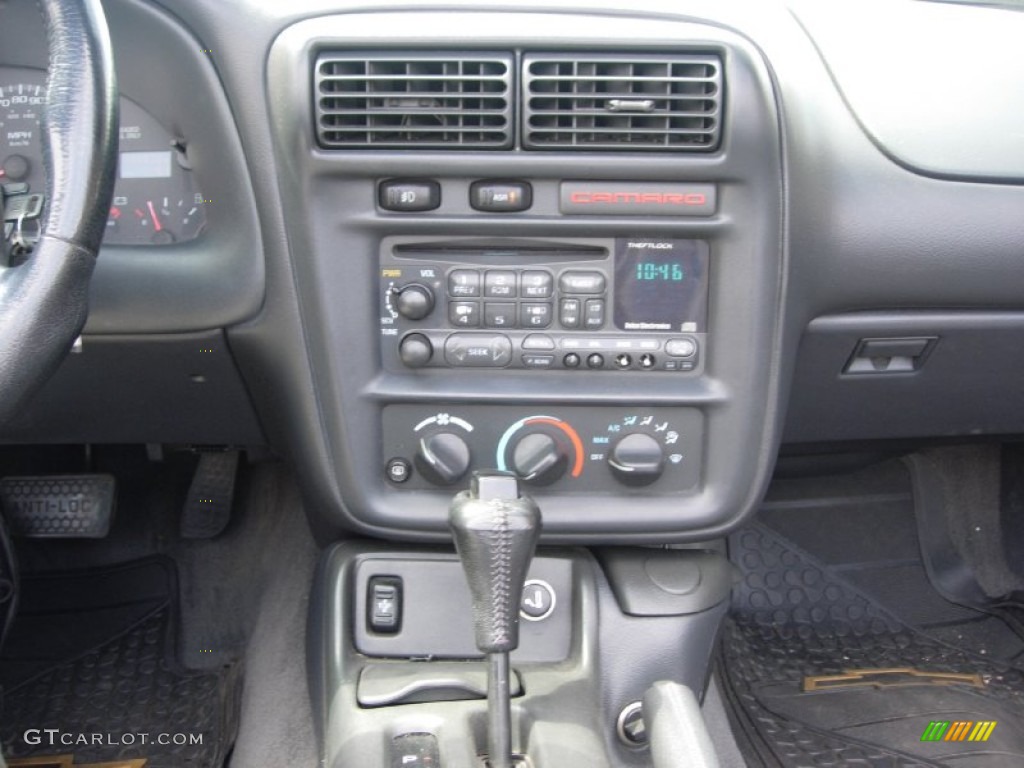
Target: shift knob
x,y
495,531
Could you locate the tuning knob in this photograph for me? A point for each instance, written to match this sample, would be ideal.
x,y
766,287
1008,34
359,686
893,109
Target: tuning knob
x,y
636,460
415,350
414,301
443,458
539,459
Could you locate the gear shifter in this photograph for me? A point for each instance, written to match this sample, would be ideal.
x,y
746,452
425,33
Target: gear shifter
x,y
496,531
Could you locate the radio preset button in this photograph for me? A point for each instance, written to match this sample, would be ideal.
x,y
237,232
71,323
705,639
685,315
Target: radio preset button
x,y
465,314
478,350
535,284
500,314
594,313
535,315
581,282
571,360
538,341
463,283
538,361
500,284
569,313
681,347
595,361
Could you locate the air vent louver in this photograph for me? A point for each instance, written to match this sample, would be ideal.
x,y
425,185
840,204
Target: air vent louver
x,y
618,102
428,100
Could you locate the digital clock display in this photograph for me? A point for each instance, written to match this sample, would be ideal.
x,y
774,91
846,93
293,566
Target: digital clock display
x,y
661,285
652,270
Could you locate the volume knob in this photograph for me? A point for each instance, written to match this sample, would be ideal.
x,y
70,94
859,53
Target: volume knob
x,y
637,460
414,301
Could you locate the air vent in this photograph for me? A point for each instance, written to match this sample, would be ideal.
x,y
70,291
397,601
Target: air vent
x,y
435,100
622,102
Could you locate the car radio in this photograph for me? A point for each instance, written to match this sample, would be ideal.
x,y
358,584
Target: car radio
x,y
618,304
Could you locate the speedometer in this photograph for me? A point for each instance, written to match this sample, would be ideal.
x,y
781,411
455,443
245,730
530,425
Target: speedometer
x,y
21,106
156,200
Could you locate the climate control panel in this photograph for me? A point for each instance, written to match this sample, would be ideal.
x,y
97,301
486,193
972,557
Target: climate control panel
x,y
561,449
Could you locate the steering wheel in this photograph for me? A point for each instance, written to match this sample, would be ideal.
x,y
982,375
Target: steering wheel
x,y
44,301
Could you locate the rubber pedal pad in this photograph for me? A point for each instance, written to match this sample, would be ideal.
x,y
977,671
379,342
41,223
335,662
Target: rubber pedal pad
x,y
59,506
211,495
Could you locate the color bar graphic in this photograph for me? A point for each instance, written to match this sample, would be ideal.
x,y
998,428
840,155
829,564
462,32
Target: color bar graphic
x,y
935,731
958,730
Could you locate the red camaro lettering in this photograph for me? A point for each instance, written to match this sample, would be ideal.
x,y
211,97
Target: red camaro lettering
x,y
638,198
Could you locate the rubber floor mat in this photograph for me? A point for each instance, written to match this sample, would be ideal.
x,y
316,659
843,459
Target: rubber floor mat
x,y
795,618
91,657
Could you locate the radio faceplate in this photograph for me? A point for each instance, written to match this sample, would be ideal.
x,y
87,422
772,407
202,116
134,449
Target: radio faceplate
x,y
625,304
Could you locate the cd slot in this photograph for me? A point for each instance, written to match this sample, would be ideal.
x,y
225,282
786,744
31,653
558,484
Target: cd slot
x,y
498,254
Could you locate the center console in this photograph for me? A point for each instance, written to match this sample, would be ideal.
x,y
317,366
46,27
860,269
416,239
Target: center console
x,y
551,246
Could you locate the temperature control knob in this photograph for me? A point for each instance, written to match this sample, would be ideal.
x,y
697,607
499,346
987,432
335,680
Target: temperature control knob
x,y
414,301
442,458
540,459
636,460
415,350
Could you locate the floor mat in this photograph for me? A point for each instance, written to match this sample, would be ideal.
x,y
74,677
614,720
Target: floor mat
x,y
91,655
797,615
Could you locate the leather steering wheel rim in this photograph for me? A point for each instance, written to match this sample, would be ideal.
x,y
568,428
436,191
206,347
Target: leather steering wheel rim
x,y
44,301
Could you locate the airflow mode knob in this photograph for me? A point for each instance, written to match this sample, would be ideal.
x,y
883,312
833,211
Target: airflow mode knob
x,y
637,460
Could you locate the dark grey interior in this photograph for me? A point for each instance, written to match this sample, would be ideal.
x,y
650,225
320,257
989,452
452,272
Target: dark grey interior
x,y
849,287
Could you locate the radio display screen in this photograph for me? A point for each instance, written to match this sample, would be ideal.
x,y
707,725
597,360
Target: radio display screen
x,y
661,285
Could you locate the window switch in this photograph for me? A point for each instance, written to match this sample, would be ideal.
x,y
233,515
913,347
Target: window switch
x,y
384,604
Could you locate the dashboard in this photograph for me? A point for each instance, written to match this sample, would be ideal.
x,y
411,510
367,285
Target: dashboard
x,y
628,253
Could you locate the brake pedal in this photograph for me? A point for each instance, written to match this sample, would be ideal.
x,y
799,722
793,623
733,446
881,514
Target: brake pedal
x,y
59,506
207,509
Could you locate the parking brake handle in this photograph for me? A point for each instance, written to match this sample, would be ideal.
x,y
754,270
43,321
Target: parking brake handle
x,y
496,531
